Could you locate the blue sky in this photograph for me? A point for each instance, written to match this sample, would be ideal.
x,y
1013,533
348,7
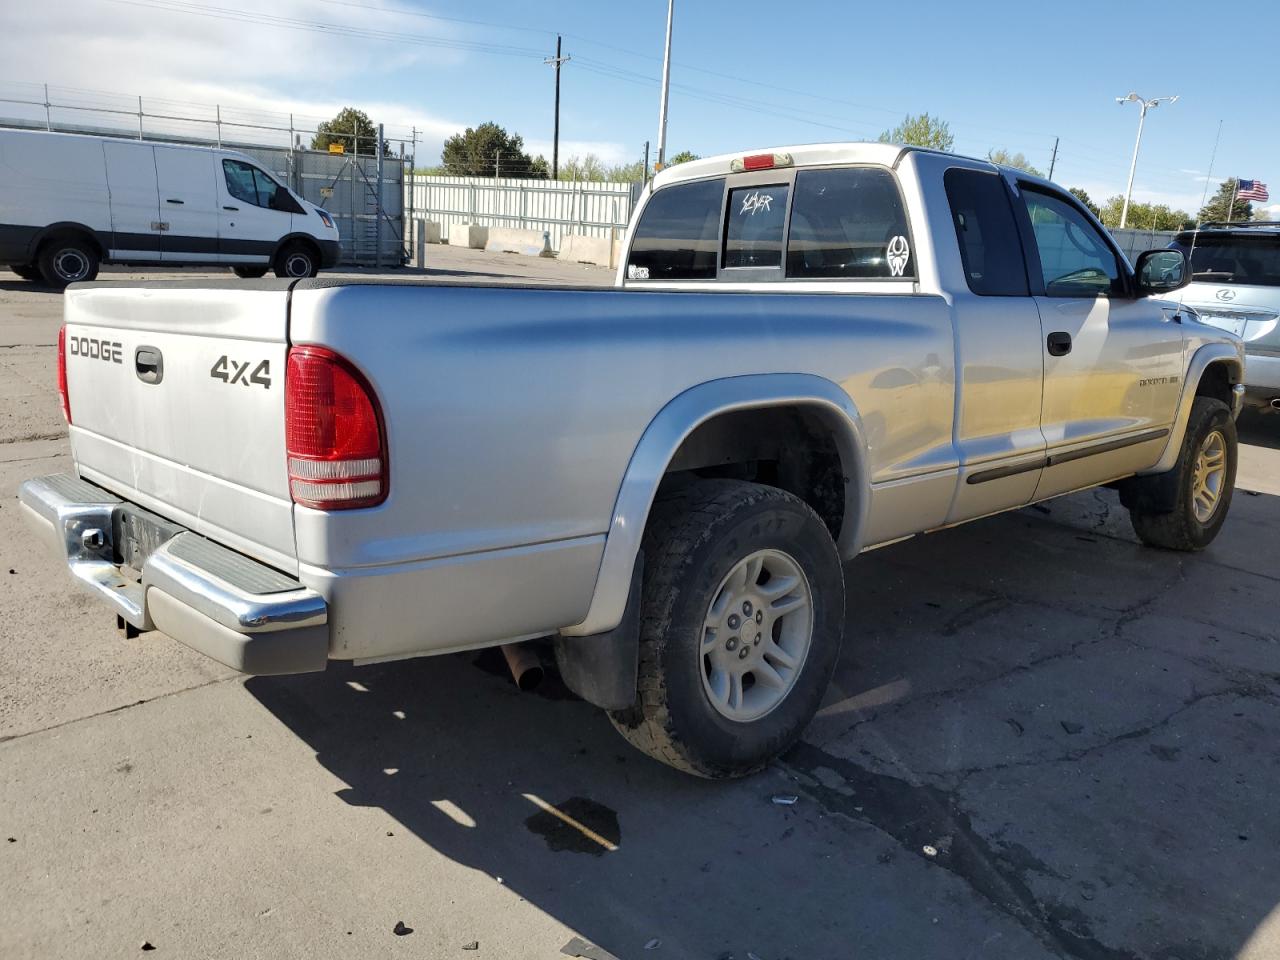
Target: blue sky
x,y
745,74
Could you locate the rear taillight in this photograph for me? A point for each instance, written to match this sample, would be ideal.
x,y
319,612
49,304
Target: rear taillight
x,y
62,374
333,433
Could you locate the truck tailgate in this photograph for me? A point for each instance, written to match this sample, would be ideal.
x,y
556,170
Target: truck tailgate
x,y
177,403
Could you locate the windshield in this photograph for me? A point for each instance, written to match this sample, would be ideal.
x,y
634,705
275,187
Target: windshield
x,y
1253,260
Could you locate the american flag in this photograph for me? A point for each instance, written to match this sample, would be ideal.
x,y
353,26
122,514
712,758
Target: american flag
x,y
1252,190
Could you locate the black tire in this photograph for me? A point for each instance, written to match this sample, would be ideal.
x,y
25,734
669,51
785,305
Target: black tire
x,y
296,260
67,260
694,538
1181,528
249,273
27,271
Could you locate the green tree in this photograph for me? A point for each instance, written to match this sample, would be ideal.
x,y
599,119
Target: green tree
x,y
1084,198
921,130
589,167
1143,216
352,128
684,156
1016,160
1216,209
480,151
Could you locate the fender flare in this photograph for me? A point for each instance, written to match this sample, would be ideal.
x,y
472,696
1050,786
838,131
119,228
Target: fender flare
x,y
1201,360
662,438
69,227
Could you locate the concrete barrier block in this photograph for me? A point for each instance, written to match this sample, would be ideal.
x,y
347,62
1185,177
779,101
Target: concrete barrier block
x,y
468,235
597,250
430,230
530,243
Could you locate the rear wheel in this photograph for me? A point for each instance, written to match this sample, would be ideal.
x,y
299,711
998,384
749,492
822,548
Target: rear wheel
x,y
1203,480
297,260
27,271
741,624
249,273
67,260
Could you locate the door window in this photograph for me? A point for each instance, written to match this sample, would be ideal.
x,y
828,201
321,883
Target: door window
x,y
848,223
1074,258
246,182
988,236
753,228
676,237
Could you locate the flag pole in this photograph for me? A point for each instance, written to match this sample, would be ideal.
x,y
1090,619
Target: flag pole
x,y
1235,188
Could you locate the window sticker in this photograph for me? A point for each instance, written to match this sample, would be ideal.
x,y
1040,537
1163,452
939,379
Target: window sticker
x,y
897,255
637,273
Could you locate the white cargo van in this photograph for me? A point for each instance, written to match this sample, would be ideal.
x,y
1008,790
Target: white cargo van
x,y
69,203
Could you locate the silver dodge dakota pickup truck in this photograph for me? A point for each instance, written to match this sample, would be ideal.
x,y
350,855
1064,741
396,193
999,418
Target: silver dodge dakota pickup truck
x,y
810,352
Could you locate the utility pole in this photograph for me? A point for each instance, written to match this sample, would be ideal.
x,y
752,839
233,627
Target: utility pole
x,y
646,161
497,163
1235,188
666,90
1054,161
556,62
1133,165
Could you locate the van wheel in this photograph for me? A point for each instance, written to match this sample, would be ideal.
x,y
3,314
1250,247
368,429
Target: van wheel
x,y
69,260
249,273
1203,480
26,271
742,615
296,260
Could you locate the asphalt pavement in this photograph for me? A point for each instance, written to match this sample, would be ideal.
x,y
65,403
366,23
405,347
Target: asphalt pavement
x,y
1044,740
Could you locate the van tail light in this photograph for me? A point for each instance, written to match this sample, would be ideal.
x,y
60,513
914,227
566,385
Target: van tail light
x,y
62,374
334,433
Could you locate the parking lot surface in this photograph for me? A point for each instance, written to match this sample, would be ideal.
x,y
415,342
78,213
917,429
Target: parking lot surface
x,y
1043,740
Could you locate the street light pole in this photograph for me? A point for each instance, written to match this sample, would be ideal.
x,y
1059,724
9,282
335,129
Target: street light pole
x,y
666,89
1133,164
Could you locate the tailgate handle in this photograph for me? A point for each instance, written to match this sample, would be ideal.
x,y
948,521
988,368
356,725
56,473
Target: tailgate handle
x,y
149,364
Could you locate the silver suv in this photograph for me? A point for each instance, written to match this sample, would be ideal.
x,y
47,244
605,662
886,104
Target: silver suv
x,y
1235,285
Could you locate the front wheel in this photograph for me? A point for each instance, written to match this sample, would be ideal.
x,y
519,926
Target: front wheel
x,y
741,625
249,273
1203,480
296,260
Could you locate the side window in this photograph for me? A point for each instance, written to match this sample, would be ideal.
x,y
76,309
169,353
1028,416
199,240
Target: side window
x,y
240,183
848,223
988,236
753,227
266,188
676,238
1075,259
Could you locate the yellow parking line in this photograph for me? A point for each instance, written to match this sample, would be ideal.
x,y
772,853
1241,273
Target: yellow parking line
x,y
565,818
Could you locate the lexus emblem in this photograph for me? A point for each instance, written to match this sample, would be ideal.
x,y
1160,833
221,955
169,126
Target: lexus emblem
x,y
1225,295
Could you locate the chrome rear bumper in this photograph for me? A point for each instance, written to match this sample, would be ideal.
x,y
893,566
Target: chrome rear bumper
x,y
240,612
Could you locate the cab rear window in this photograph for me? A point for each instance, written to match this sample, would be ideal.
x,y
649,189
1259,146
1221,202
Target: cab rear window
x,y
753,228
677,237
848,223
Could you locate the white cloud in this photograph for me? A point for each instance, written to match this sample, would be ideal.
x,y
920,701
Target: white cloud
x,y
610,153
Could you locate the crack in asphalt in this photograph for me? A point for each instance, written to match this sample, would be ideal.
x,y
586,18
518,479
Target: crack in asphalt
x,y
13,737
27,437
920,816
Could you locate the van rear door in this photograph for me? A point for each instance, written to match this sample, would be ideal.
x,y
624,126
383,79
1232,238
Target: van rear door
x,y
135,203
188,205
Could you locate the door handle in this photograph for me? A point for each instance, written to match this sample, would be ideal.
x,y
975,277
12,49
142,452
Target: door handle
x,y
172,200
235,209
1059,344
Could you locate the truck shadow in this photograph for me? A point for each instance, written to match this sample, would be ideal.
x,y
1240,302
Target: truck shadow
x,y
1042,740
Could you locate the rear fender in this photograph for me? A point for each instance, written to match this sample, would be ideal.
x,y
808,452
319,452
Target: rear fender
x,y
663,437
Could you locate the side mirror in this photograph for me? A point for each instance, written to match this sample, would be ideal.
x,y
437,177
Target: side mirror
x,y
1162,271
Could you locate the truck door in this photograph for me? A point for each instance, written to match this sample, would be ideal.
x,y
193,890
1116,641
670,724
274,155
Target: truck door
x,y
1112,361
188,205
135,204
249,229
999,370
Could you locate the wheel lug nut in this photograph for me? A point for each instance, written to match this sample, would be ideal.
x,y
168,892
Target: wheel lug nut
x,y
743,653
756,641
733,621
759,616
732,644
746,607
